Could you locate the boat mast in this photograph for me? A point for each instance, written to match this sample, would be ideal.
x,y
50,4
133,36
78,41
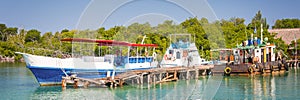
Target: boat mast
x,y
143,39
143,42
295,47
261,34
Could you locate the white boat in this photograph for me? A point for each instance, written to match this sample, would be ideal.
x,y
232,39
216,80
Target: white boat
x,y
50,70
182,52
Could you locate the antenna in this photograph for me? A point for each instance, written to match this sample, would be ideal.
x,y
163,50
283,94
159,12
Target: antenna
x,y
194,38
261,33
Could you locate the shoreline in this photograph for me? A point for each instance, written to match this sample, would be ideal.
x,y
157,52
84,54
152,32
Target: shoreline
x,y
4,59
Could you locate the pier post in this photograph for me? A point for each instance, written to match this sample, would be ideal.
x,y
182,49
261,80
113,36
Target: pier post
x,y
115,83
137,80
148,78
121,82
86,84
111,85
141,79
187,74
204,72
76,83
197,73
154,78
175,75
167,74
160,76
63,82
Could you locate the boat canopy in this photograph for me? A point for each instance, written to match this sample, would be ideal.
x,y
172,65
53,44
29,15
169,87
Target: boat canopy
x,y
108,42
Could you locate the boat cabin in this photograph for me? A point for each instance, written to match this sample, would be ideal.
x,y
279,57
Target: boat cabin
x,y
182,52
250,51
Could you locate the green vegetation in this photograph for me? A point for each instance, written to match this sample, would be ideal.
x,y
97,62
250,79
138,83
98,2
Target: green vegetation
x,y
207,35
286,23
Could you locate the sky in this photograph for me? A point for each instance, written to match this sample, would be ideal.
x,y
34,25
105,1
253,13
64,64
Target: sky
x,y
56,15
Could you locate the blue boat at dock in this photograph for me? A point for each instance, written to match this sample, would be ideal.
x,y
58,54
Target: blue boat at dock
x,y
50,70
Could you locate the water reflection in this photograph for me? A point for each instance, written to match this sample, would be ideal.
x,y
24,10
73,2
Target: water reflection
x,y
180,90
273,86
233,87
56,92
17,82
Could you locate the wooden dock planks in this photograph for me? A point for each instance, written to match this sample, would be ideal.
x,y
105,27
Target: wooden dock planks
x,y
139,77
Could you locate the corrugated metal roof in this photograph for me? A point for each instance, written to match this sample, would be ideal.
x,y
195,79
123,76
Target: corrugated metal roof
x,y
287,35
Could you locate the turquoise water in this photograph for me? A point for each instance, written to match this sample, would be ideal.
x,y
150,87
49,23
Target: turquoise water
x,y
17,82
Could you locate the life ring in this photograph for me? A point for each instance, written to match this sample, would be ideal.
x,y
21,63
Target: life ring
x,y
227,70
250,69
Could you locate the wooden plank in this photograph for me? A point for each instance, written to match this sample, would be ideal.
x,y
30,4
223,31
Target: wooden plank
x,y
148,78
90,80
166,79
187,74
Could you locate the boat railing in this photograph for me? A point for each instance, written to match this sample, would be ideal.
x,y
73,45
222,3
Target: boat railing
x,y
47,52
118,60
93,59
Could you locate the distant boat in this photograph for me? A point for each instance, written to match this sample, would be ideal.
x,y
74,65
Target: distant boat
x,y
50,70
182,52
251,57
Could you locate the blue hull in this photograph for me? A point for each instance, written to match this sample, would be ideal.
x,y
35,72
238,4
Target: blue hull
x,y
53,76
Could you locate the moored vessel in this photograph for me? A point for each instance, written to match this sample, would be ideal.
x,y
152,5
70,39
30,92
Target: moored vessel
x,y
182,52
253,57
50,70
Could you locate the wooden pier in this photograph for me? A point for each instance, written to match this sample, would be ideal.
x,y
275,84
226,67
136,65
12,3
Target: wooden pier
x,y
293,63
140,77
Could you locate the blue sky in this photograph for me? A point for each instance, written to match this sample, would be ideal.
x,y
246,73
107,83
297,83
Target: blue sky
x,y
56,15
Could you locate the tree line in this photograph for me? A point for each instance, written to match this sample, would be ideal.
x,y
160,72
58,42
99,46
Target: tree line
x,y
207,35
286,23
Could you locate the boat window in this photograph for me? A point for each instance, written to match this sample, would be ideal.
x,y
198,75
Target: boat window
x,y
141,60
170,51
174,46
178,55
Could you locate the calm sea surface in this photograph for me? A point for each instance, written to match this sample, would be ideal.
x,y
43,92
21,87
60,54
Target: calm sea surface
x,y
17,82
